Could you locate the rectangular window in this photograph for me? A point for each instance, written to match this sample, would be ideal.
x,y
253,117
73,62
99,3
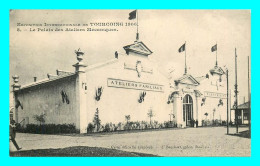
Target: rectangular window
x,y
245,116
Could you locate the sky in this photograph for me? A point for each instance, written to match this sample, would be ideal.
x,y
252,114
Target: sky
x,y
163,31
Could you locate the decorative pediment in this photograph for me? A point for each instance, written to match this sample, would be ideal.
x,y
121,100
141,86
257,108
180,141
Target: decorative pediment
x,y
188,80
138,48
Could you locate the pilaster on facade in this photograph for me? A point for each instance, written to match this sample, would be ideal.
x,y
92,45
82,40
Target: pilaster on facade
x,y
81,89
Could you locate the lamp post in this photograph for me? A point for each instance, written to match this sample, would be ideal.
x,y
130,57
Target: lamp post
x,y
236,92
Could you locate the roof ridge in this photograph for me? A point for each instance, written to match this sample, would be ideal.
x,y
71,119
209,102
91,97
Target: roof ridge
x,y
45,81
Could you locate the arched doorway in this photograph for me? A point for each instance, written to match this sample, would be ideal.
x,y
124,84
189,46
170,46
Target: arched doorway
x,y
187,109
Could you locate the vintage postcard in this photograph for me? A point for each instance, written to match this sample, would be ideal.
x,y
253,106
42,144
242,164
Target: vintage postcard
x,y
133,83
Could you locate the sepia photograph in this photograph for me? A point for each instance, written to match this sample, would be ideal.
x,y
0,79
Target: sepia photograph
x,y
130,83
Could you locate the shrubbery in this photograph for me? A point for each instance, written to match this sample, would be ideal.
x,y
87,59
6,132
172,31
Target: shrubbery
x,y
215,122
90,128
137,125
48,129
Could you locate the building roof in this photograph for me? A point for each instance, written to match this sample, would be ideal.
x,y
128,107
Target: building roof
x,y
242,106
101,64
52,78
63,74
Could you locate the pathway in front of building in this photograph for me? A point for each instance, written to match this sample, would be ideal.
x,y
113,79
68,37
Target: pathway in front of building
x,y
178,142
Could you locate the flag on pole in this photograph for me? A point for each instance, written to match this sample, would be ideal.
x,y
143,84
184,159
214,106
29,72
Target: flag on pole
x,y
182,48
214,48
132,15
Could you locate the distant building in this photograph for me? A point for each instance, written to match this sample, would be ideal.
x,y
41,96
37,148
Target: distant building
x,y
242,113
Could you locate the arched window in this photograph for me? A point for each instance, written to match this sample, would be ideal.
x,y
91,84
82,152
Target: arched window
x,y
187,99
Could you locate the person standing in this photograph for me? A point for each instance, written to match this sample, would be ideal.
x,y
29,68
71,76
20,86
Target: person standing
x,y
197,123
12,134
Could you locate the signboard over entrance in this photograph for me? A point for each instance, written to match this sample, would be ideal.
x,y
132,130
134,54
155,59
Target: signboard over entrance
x,y
117,83
215,95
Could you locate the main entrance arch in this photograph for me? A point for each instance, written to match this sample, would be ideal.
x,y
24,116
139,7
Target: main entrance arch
x,y
187,109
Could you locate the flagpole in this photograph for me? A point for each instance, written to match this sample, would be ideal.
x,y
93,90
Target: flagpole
x,y
137,34
216,54
185,60
249,97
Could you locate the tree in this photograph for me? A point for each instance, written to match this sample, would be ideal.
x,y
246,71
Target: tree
x,y
150,114
127,118
96,119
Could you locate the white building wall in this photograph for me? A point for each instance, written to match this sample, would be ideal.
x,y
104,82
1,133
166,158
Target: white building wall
x,y
115,103
46,99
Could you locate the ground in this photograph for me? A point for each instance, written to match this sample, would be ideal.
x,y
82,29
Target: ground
x,y
209,141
